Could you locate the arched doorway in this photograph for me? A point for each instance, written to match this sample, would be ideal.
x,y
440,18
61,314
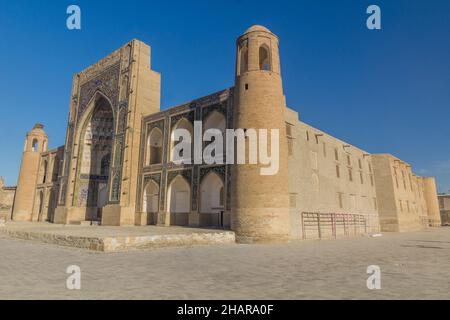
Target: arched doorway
x,y
96,149
179,201
212,201
151,201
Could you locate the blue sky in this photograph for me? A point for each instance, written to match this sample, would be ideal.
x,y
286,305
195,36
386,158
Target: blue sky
x,y
383,91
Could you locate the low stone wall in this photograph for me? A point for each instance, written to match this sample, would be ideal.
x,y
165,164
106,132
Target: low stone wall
x,y
123,243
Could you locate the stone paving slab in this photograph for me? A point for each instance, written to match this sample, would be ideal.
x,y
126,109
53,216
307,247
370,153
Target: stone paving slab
x,y
413,266
111,239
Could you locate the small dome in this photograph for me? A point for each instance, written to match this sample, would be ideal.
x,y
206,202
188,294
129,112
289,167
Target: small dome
x,y
257,28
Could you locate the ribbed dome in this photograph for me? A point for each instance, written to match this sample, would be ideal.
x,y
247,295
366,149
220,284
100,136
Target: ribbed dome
x,y
257,28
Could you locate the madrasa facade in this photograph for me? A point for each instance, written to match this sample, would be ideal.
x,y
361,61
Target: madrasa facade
x,y
117,166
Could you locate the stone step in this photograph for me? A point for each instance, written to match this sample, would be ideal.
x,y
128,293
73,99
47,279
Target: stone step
x,y
84,223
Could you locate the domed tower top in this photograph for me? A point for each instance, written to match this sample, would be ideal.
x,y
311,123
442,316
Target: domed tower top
x,y
257,27
37,139
257,50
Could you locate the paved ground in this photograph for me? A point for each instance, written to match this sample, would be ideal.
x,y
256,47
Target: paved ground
x,y
413,265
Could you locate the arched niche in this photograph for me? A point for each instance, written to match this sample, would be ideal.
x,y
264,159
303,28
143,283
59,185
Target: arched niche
x,y
183,124
154,148
212,194
179,201
216,120
243,57
151,197
265,62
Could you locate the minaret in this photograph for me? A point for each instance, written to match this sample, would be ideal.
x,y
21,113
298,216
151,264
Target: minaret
x,y
260,204
35,144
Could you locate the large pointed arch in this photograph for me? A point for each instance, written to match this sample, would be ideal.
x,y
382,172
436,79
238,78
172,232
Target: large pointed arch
x,y
95,146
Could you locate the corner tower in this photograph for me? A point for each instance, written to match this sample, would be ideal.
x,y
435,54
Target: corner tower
x,y
260,204
35,143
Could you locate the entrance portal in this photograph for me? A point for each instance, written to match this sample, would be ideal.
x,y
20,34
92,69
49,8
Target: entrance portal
x,y
97,142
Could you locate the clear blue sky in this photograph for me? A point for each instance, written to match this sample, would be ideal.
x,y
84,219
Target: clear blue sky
x,y
383,91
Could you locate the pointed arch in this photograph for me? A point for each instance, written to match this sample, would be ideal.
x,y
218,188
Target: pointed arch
x,y
179,201
265,62
216,120
185,124
150,201
212,194
35,145
95,145
243,58
154,149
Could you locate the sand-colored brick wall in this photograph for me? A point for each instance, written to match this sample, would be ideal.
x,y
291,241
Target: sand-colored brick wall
x,y
314,184
401,193
6,200
430,192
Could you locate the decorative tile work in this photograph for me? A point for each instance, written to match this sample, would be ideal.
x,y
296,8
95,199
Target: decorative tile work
x,y
165,120
221,108
157,124
119,150
190,116
187,174
219,170
107,83
115,186
156,177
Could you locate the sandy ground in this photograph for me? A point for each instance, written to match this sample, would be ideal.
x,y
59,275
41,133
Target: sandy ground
x,y
413,266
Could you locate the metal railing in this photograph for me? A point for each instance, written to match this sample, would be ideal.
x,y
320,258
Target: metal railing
x,y
335,221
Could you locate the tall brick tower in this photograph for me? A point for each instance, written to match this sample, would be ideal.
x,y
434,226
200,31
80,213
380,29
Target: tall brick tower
x,y
260,204
35,143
